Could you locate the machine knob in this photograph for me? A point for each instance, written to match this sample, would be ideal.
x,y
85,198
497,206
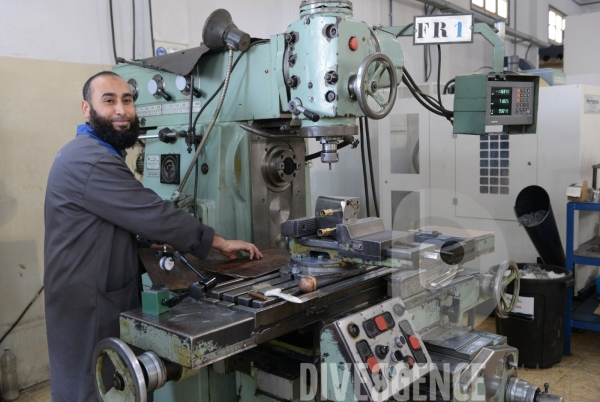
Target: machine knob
x,y
397,356
167,135
183,84
353,330
400,341
295,106
381,351
399,309
156,87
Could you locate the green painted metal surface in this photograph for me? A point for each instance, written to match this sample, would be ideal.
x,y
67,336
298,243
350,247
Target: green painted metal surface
x,y
339,383
152,301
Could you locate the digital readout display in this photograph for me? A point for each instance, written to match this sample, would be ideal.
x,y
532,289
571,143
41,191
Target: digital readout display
x,y
501,101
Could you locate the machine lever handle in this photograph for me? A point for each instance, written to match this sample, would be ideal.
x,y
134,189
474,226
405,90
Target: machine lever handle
x,y
173,301
164,94
206,283
310,115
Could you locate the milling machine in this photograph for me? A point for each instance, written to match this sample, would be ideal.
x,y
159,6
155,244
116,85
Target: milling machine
x,y
386,319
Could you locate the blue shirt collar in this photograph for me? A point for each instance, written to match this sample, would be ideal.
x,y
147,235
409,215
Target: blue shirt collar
x,y
85,129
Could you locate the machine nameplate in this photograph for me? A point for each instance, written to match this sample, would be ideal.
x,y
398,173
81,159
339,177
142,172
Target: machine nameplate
x,y
153,162
169,108
153,174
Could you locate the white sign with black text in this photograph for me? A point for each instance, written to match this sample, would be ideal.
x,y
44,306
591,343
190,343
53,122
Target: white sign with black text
x,y
442,29
524,304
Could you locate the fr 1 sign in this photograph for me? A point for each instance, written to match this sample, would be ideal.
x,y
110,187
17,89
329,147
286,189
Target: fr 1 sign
x,y
440,29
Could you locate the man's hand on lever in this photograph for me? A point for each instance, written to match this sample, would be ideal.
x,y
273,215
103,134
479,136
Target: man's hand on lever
x,y
229,247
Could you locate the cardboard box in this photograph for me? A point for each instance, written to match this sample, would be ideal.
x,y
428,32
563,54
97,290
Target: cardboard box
x,y
578,193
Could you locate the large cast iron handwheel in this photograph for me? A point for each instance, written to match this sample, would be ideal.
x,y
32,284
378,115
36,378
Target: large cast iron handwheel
x,y
504,305
366,84
128,381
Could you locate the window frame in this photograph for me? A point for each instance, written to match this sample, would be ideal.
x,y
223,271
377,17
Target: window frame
x,y
484,11
563,15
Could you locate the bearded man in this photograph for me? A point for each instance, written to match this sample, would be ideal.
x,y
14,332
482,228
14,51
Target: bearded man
x,y
94,209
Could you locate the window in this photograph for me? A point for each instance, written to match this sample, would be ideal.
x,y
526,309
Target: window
x,y
556,26
493,8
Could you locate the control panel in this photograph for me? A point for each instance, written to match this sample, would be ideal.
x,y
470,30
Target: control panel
x,y
385,349
510,102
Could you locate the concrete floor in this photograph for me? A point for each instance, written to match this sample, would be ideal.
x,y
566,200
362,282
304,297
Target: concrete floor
x,y
576,378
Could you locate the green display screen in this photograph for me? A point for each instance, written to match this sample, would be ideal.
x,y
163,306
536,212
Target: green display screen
x,y
501,101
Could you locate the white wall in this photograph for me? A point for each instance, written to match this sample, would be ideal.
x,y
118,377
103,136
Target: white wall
x,y
582,59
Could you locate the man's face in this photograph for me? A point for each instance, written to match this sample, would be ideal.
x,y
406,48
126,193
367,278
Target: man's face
x,y
111,112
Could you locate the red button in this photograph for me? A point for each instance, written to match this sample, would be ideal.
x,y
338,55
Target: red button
x,y
414,342
381,324
410,361
353,43
373,364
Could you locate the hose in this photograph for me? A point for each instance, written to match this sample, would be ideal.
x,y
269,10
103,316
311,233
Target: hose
x,y
364,166
210,126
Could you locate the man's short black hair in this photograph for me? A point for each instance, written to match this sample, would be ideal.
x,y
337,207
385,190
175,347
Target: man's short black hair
x,y
86,87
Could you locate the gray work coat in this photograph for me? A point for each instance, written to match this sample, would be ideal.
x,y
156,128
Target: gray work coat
x,y
94,209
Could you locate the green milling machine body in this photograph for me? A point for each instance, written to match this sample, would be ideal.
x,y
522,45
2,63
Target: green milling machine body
x,y
248,184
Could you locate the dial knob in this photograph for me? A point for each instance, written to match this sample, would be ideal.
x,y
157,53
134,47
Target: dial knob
x,y
182,83
381,351
167,263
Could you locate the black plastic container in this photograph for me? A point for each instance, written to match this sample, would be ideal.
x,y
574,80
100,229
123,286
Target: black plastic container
x,y
540,342
543,234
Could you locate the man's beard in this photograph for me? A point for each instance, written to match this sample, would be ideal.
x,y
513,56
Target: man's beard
x,y
118,139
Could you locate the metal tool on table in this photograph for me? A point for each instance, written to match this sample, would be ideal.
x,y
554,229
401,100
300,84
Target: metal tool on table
x,y
278,293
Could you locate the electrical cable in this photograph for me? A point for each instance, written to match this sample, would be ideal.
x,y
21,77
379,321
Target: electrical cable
x,y
133,26
404,29
211,124
22,314
426,106
221,86
527,52
193,136
481,68
364,166
112,30
371,167
430,99
417,93
439,90
151,26
448,85
225,82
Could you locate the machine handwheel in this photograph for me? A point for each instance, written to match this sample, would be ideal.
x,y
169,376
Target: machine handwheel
x,y
129,383
367,84
504,305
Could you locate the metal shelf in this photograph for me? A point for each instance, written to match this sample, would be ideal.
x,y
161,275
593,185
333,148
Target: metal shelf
x,y
584,317
587,253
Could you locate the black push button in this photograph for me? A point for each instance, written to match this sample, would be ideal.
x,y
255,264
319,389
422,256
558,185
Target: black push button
x,y
389,320
420,357
406,328
353,330
381,351
363,349
397,356
370,328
